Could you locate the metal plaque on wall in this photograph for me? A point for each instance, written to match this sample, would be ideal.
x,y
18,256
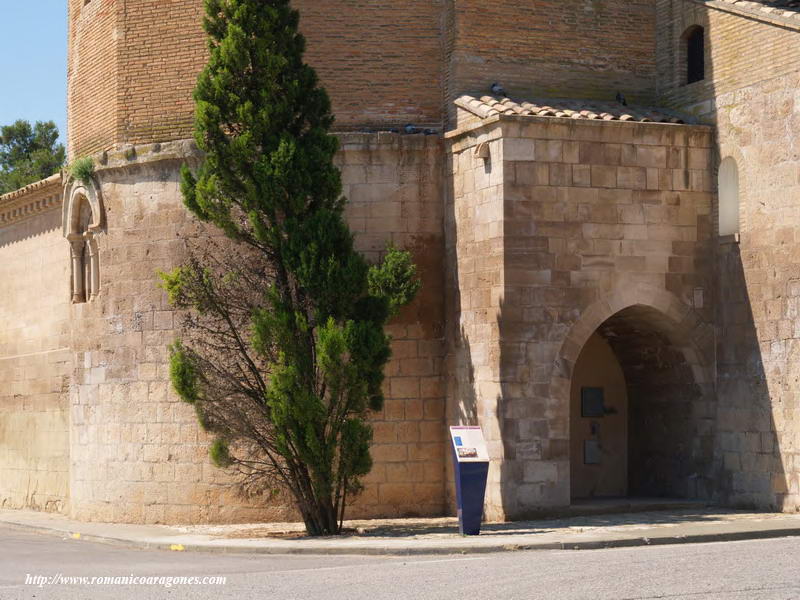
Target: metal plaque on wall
x,y
592,402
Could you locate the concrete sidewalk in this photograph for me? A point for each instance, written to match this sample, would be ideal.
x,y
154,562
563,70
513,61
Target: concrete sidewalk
x,y
430,536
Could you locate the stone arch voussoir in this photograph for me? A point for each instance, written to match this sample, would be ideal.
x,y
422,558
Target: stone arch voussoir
x,y
683,326
74,191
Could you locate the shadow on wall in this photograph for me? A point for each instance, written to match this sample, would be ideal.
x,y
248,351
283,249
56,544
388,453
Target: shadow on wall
x,y
753,311
687,438
462,404
671,401
749,467
666,359
462,398
44,224
466,411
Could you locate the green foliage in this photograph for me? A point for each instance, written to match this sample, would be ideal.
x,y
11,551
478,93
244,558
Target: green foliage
x,y
283,350
395,279
220,454
82,169
187,286
28,154
173,283
183,373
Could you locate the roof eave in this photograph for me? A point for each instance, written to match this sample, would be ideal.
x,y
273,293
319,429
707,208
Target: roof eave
x,y
489,121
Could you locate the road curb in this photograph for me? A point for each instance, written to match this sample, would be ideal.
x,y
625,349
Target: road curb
x,y
414,548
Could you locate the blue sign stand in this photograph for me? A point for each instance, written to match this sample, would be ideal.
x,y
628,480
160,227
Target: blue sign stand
x,y
470,493
471,466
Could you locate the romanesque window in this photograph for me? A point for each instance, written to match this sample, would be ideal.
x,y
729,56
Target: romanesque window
x,y
83,221
694,40
728,191
85,263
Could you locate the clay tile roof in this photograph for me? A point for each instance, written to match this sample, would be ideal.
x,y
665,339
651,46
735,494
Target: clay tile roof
x,y
489,106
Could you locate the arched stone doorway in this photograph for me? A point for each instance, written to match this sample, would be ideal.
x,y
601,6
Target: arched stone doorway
x,y
641,402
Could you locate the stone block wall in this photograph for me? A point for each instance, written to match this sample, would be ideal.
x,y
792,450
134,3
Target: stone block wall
x,y
138,454
758,377
474,228
583,220
35,361
566,229
393,184
750,95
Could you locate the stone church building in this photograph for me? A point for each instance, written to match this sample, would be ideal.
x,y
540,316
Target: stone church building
x,y
611,283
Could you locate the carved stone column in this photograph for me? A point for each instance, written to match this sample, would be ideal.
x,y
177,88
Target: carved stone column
x,y
94,268
76,251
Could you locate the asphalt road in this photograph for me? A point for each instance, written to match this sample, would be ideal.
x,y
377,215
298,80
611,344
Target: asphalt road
x,y
766,569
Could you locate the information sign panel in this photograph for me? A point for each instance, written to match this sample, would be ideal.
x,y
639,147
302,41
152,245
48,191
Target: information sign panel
x,y
468,444
471,458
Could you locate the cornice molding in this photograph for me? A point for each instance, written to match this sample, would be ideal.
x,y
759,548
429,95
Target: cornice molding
x,y
31,200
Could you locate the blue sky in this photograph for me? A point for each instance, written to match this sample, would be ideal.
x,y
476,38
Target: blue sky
x,y
33,62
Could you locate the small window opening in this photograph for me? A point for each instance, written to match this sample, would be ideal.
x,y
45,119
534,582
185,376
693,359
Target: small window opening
x,y
728,192
695,54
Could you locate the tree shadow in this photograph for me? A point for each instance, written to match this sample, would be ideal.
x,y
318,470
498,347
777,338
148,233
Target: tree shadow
x,y
549,523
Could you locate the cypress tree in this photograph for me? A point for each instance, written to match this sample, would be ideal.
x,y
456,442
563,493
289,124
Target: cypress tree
x,y
283,347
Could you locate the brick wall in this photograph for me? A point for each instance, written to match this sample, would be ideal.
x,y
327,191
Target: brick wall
x,y
92,76
161,50
35,361
133,66
554,48
381,62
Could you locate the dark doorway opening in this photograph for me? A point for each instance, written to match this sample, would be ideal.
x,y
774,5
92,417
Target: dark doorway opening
x,y
638,422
